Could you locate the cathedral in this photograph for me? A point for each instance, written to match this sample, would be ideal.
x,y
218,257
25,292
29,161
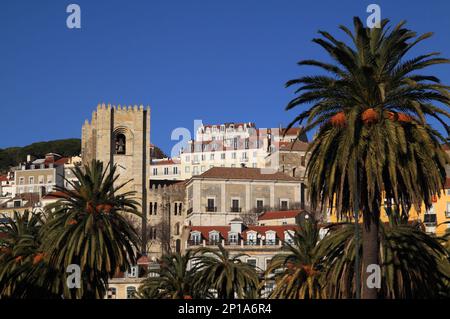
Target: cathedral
x,y
120,135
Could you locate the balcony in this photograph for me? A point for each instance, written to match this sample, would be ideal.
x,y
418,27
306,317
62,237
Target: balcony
x,y
211,209
235,209
238,243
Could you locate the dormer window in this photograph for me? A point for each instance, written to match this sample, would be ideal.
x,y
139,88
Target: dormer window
x,y
271,237
233,238
196,238
214,237
251,238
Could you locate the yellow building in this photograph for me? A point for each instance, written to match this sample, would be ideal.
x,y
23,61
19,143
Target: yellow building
x,y
433,218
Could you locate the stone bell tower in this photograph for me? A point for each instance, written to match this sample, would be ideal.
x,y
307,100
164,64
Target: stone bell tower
x,y
120,135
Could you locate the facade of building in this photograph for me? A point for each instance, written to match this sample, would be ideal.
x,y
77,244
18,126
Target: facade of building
x,y
166,215
6,186
40,176
224,145
223,193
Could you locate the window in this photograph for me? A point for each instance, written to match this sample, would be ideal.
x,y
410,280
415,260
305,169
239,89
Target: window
x,y
31,180
211,157
152,233
429,217
284,204
195,158
188,158
294,171
21,180
222,156
177,229
235,206
17,203
233,238
254,165
203,157
251,238
252,262
49,179
202,169
289,236
131,292
187,169
270,237
150,208
195,238
195,171
155,171
120,144
41,179
247,143
133,272
211,207
259,205
166,171
112,293
233,155
175,170
214,238
244,155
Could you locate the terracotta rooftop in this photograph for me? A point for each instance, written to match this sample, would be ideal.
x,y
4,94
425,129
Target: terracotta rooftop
x,y
243,173
54,195
3,178
164,162
279,214
294,146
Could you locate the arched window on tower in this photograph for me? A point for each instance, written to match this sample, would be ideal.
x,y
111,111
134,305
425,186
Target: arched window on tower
x,y
121,144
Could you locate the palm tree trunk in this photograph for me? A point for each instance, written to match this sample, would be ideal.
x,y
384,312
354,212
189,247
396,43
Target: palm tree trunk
x,y
370,253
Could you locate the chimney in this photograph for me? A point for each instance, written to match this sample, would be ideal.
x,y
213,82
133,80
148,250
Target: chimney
x,y
237,225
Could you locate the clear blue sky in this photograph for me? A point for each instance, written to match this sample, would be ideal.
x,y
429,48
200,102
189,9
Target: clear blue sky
x,y
212,60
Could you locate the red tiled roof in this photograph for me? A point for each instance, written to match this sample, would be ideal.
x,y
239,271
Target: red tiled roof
x,y
243,173
3,178
291,131
223,230
62,161
293,146
279,214
164,162
54,195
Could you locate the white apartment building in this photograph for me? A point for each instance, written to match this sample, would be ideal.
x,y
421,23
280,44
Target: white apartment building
x,y
223,145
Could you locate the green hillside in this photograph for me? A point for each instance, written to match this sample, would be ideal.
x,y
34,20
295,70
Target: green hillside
x,y
12,156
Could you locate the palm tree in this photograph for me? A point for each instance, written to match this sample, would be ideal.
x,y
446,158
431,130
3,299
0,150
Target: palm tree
x,y
297,272
175,279
88,228
372,137
413,264
24,271
227,275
